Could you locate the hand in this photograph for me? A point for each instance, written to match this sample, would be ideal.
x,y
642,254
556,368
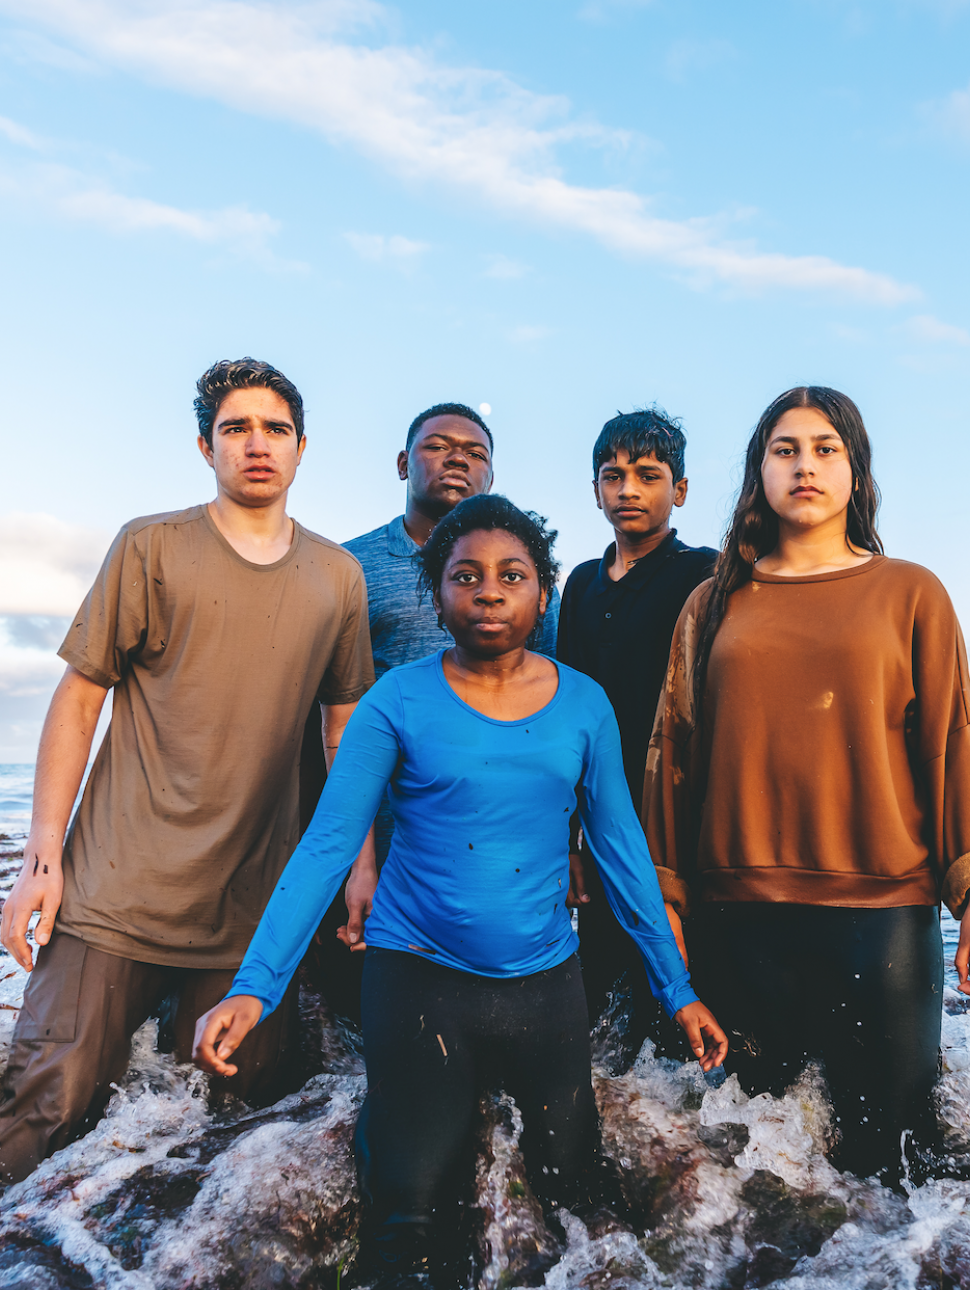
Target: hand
x,y
359,898
227,1024
698,1021
961,960
40,886
677,927
577,895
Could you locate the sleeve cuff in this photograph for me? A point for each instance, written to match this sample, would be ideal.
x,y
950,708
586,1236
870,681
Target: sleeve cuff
x,y
956,886
676,892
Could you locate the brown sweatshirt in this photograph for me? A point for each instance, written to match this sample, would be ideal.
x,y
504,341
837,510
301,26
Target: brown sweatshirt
x,y
832,762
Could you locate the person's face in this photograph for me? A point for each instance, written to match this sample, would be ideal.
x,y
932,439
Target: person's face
x,y
490,596
806,473
637,496
448,461
254,449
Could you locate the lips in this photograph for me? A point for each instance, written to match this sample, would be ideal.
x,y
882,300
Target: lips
x,y
805,492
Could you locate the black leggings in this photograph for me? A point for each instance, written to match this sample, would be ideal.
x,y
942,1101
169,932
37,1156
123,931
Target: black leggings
x,y
434,1040
860,990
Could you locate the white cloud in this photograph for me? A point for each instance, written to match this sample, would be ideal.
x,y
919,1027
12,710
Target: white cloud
x,y
471,129
46,565
14,132
27,670
952,114
73,195
525,335
501,267
927,328
601,10
685,57
394,249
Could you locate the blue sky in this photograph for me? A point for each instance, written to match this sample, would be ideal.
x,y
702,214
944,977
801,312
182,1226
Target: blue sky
x,y
557,209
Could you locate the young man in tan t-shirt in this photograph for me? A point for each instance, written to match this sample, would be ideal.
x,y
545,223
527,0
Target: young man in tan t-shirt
x,y
217,628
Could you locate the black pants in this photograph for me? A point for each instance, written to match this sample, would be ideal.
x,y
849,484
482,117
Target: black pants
x,y
860,990
434,1040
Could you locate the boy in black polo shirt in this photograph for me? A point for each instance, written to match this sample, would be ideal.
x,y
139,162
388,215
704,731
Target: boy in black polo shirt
x,y
616,623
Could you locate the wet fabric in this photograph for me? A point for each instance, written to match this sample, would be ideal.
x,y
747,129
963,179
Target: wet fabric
x,y
619,633
831,762
434,1040
404,624
860,990
73,1039
191,808
478,870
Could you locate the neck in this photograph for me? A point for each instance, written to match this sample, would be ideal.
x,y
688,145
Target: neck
x,y
821,549
419,522
633,547
261,534
496,671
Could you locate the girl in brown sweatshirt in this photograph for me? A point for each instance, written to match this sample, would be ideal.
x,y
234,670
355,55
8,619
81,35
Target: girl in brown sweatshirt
x,y
807,794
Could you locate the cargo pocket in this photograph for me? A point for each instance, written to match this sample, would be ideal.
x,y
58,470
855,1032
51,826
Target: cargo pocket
x,y
49,1011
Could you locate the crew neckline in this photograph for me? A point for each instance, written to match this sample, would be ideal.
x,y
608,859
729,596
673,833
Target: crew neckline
x,y
224,542
495,721
834,575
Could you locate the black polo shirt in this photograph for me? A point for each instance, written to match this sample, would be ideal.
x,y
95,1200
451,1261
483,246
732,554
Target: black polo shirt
x,y
619,633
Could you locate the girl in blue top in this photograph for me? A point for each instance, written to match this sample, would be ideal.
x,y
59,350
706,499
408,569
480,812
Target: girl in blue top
x,y
470,976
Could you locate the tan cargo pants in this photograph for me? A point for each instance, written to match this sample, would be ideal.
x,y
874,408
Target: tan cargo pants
x,y
73,1040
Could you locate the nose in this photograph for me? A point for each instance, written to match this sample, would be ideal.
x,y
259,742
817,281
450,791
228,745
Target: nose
x,y
456,458
257,444
490,592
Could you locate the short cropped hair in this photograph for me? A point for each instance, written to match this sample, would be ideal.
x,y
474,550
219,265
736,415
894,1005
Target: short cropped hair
x,y
488,511
242,374
447,410
639,433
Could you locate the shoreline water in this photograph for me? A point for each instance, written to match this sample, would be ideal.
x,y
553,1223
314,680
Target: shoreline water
x,y
719,1192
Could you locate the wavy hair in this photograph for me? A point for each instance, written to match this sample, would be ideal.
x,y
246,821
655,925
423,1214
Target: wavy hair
x,y
753,531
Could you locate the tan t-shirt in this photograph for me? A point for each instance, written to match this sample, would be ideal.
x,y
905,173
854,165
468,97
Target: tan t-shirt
x,y
191,808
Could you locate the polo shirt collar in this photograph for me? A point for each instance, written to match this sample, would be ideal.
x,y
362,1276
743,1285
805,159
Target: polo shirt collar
x,y
642,567
399,540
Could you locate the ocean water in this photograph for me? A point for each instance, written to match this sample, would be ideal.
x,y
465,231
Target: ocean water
x,y
719,1190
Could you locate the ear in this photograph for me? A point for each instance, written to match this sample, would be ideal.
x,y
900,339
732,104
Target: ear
x,y
596,493
402,464
680,491
300,449
206,450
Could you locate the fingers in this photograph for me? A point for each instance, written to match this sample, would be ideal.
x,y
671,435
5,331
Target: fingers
x,y
961,961
14,933
45,925
578,894
220,1032
707,1040
343,934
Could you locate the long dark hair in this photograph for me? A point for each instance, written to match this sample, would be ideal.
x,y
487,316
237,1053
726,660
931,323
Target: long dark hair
x,y
753,531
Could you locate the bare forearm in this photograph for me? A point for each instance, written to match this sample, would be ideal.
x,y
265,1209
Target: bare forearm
x,y
65,746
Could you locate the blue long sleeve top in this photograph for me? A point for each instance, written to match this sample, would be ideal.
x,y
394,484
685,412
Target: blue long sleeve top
x,y
478,870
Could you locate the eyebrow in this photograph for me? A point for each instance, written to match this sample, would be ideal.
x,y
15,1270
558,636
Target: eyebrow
x,y
455,442
509,559
816,438
245,421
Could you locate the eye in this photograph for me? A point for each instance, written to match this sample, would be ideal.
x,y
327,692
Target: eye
x,y
464,576
513,575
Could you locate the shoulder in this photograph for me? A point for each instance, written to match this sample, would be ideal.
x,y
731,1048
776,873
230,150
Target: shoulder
x,y
906,577
580,578
170,520
694,558
582,689
335,554
367,542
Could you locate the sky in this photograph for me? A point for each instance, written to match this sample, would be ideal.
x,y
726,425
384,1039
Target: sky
x,y
558,210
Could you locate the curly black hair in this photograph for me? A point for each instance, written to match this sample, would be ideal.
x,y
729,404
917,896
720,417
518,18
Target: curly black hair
x,y
487,511
447,410
242,374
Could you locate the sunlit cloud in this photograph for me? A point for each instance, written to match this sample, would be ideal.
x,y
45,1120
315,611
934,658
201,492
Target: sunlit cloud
x,y
952,114
505,269
46,564
926,328
526,335
469,129
685,58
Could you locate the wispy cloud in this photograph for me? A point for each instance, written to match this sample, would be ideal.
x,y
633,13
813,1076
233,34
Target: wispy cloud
x,y
925,327
377,247
603,10
685,58
505,269
46,564
952,114
471,129
526,335
72,194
